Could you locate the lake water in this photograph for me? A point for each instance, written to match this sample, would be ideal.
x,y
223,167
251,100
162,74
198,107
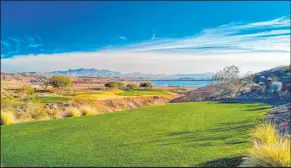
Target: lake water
x,y
180,83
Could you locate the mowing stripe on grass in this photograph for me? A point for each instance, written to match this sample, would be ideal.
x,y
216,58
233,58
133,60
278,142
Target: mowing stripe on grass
x,y
183,134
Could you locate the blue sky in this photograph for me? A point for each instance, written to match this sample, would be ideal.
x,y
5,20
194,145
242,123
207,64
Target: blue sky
x,y
151,37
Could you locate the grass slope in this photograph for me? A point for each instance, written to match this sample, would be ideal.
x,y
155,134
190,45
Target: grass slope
x,y
141,92
183,134
49,99
99,95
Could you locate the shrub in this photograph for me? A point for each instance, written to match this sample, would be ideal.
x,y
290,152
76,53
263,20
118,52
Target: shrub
x,y
146,85
53,113
28,90
85,110
7,117
38,111
112,85
61,82
73,112
132,86
269,149
121,85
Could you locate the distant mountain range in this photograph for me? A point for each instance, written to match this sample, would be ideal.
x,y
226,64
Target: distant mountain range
x,y
107,73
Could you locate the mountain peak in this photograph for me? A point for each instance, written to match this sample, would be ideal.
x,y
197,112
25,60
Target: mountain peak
x,y
91,72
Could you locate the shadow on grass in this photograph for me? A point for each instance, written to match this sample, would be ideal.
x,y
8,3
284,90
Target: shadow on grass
x,y
257,109
241,128
235,142
273,102
179,133
185,138
224,162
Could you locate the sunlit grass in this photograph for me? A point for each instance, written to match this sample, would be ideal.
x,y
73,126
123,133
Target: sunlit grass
x,y
182,134
71,94
142,92
49,99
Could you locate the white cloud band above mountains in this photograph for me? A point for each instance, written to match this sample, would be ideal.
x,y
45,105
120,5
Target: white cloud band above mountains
x,y
251,46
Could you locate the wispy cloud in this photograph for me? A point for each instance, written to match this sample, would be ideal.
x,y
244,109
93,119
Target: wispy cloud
x,y
118,38
6,44
16,44
153,36
15,39
30,39
123,37
252,46
33,41
273,35
34,45
38,37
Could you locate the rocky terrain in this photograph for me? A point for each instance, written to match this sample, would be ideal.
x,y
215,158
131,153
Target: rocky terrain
x,y
281,116
199,94
273,84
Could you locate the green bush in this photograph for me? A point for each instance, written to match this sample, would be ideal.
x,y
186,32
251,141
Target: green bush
x,y
28,90
146,85
132,86
121,85
112,85
61,82
38,111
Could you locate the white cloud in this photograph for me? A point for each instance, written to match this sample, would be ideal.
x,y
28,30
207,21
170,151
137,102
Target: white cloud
x,y
123,37
268,35
38,37
34,45
148,62
30,39
252,46
15,39
153,36
6,44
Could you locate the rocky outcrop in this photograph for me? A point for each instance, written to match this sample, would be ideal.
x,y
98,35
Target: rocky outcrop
x,y
56,105
266,88
273,85
281,117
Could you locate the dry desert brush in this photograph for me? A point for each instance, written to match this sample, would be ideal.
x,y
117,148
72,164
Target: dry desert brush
x,y
269,149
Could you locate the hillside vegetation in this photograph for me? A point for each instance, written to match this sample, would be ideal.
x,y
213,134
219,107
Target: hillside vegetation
x,y
184,134
269,84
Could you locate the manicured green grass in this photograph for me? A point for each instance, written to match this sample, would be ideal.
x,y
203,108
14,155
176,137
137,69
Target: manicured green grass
x,y
84,93
92,93
142,92
71,94
137,92
49,99
185,134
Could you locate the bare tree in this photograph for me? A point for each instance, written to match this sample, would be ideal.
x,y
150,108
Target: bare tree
x,y
45,85
246,80
226,81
